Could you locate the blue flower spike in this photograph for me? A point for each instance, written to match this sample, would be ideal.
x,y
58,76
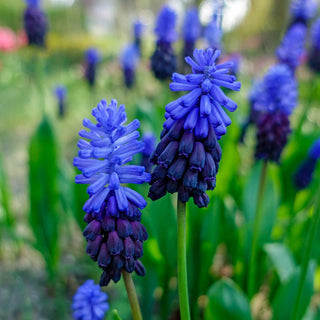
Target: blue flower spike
x,y
114,233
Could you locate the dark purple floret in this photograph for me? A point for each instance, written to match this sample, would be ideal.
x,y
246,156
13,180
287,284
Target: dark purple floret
x,y
314,55
273,129
188,155
314,151
35,24
89,302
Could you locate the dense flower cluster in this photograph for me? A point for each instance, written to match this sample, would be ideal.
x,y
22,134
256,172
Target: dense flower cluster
x,y
114,232
35,23
274,100
314,56
292,48
92,57
60,92
89,302
188,155
163,60
303,175
191,30
129,60
303,10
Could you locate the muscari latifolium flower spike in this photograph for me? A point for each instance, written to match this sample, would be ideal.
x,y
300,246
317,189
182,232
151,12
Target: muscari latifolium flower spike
x,y
302,11
274,101
303,176
163,60
35,23
89,302
60,92
213,35
114,233
188,155
129,59
92,58
314,55
292,48
138,29
191,31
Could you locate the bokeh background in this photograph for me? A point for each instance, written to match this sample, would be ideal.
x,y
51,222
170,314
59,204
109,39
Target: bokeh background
x,y
39,277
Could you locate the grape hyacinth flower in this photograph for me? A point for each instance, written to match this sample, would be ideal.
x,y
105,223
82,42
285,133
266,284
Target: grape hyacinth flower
x,y
35,23
188,155
89,302
129,60
303,175
275,101
163,60
114,233
61,93
292,48
303,10
138,29
149,140
92,58
191,31
213,35
314,56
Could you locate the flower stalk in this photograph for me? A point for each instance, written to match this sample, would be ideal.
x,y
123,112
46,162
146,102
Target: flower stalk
x,y
132,296
182,262
255,231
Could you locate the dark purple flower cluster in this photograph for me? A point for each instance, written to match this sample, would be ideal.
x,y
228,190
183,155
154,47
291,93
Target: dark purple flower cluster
x,y
314,56
163,60
89,302
274,100
92,57
292,48
114,232
191,31
188,155
35,23
303,175
303,10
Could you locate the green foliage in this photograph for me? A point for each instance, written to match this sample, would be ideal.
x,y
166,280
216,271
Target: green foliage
x,y
227,301
115,315
44,198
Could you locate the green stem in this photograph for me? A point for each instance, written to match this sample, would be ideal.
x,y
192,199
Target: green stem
x,y
255,232
306,257
132,296
182,262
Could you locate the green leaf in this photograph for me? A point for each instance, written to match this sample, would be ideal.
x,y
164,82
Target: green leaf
x,y
43,180
115,315
282,260
286,294
227,301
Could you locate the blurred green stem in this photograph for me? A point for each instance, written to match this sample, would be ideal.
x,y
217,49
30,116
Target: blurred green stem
x,y
182,262
307,254
255,232
132,296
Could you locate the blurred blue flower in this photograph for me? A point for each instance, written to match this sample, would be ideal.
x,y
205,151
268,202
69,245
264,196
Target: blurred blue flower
x,y
314,55
149,140
138,28
303,176
292,48
129,59
60,92
213,35
188,154
89,302
203,102
102,160
163,60
92,58
278,91
303,10
35,23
